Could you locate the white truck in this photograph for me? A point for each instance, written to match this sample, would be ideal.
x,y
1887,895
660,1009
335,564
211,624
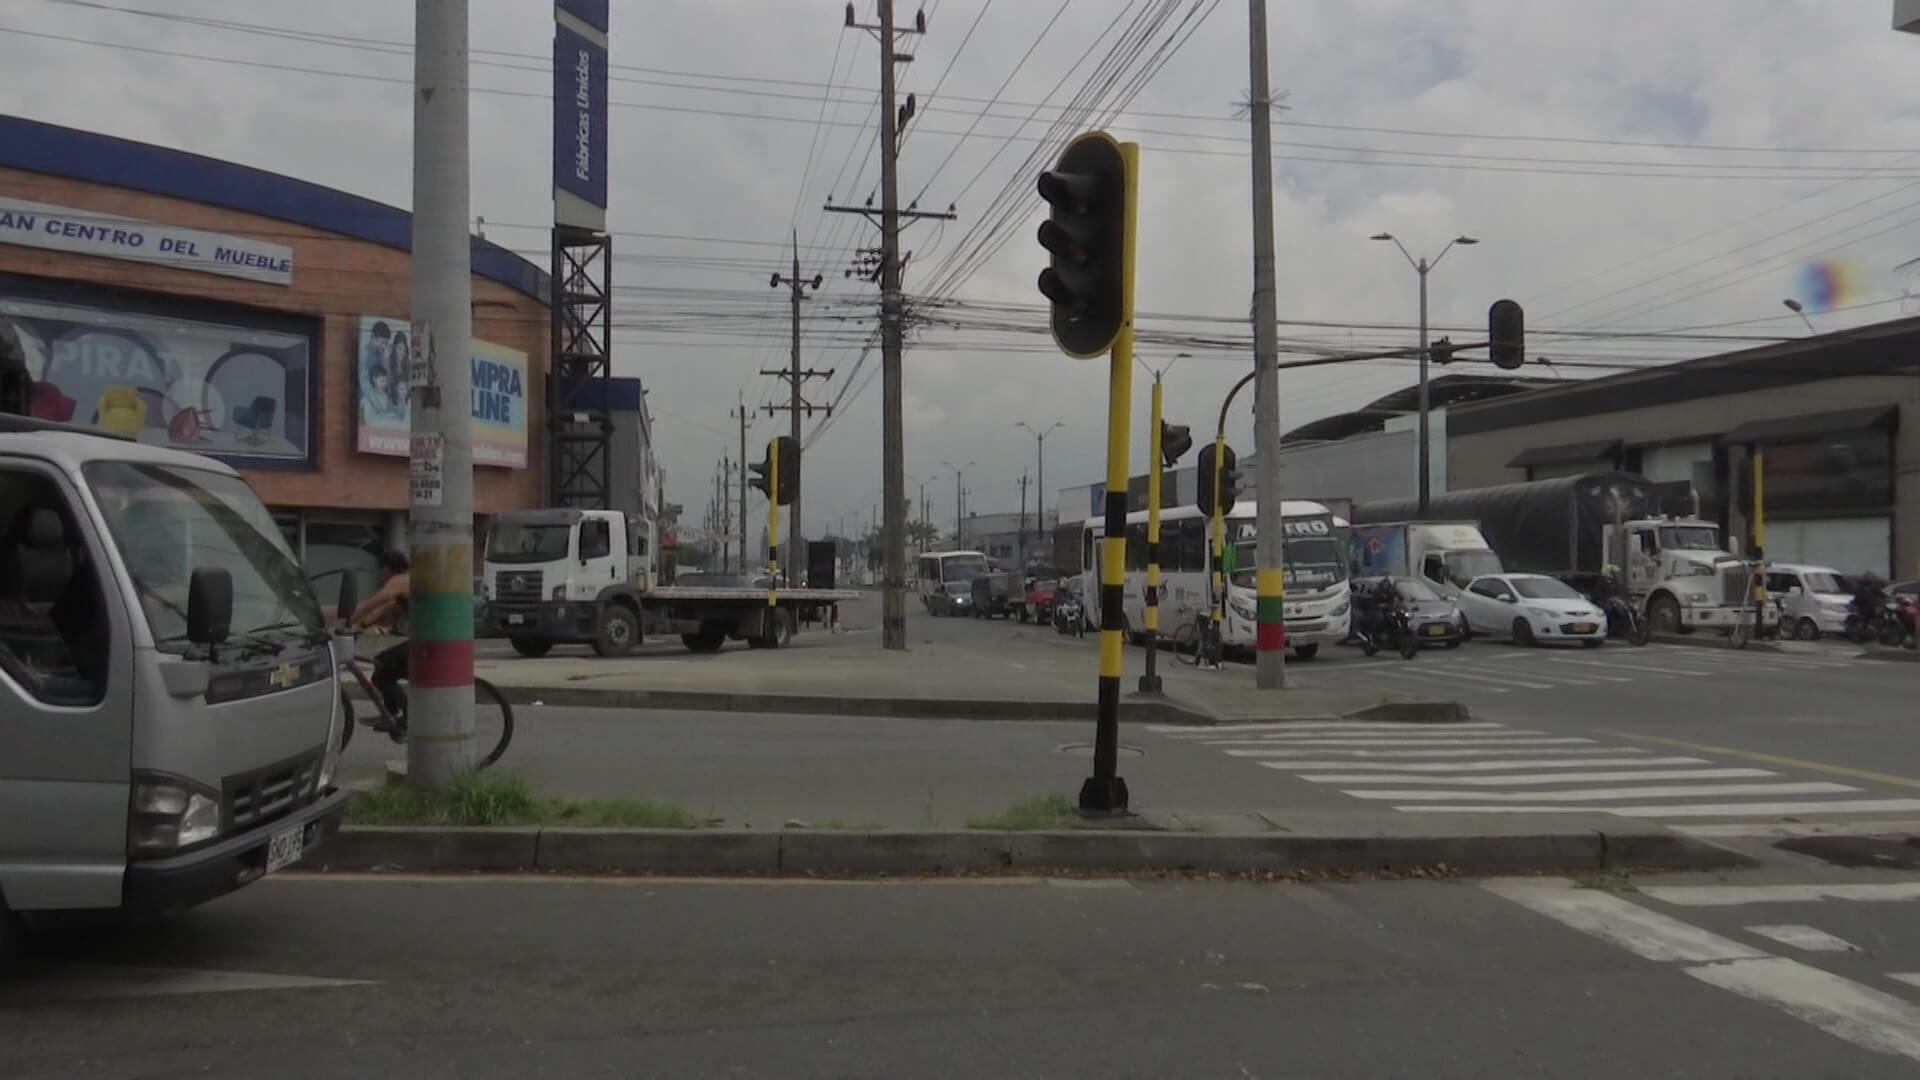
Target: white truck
x,y
592,577
1446,554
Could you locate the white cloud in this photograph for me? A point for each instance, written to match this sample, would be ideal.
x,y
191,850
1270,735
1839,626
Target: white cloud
x,y
1582,251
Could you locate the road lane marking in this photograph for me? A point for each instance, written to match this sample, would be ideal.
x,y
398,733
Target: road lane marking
x,y
1908,977
1730,895
1465,738
1497,752
93,982
626,881
1779,809
1500,680
1309,725
1524,779
1502,741
1772,759
1472,766
1841,1007
1804,938
1629,667
1658,791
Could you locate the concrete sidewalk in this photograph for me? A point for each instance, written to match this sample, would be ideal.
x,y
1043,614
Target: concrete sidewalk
x,y
1026,676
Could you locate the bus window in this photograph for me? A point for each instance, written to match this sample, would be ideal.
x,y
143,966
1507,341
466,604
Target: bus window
x,y
1137,547
1086,549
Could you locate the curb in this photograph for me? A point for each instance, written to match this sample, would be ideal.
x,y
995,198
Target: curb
x,y
800,852
1133,709
1909,656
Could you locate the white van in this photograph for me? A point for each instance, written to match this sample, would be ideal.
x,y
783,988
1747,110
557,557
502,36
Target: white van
x,y
945,580
1813,599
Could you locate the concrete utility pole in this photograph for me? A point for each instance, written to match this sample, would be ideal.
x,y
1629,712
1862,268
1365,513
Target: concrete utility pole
x,y
1021,547
1270,638
743,416
893,620
440,533
795,403
959,509
1040,481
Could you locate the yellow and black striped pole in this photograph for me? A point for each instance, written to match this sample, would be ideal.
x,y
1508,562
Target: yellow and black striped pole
x,y
1217,576
1150,682
1105,792
1759,538
773,529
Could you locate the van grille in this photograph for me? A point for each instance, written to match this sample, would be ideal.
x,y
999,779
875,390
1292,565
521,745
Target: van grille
x,y
254,798
518,587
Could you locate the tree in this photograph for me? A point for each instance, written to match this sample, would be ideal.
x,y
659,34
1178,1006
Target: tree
x,y
689,554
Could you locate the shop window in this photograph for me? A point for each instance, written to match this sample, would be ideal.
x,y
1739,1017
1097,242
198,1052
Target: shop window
x,y
55,638
1841,471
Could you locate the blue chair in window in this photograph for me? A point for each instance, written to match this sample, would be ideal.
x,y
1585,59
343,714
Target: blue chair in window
x,y
255,420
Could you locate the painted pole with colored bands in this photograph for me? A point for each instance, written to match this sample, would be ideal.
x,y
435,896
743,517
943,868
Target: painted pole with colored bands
x,y
1150,682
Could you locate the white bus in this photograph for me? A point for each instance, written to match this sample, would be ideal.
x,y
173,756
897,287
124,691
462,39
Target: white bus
x,y
1317,611
945,580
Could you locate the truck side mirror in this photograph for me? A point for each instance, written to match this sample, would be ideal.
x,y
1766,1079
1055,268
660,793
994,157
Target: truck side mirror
x,y
209,605
349,596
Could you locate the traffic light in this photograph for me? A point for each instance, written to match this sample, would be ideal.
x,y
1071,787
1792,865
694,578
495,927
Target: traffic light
x,y
1441,352
1086,234
789,469
1175,440
1207,497
1506,335
758,481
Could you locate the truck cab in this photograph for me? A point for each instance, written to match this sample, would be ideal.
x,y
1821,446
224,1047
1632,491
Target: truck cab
x,y
569,576
168,686
1678,568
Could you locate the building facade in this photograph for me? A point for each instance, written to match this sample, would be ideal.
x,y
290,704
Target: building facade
x,y
260,320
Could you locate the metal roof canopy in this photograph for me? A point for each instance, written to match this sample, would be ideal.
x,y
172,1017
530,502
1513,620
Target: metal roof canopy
x,y
1809,426
1567,453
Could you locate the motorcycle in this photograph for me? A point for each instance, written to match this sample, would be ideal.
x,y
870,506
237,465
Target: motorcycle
x,y
1068,616
1626,621
1906,610
1385,626
1875,618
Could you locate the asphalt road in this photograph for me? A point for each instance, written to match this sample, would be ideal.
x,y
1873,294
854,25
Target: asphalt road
x,y
479,978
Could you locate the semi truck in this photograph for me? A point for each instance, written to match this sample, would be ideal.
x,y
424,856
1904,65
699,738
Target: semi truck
x,y
592,577
170,719
1674,564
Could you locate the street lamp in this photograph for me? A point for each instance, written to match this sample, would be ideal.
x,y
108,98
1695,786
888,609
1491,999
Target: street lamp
x,y
1040,482
1421,266
1799,309
959,518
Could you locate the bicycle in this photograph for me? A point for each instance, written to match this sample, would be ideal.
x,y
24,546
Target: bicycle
x,y
1197,643
490,711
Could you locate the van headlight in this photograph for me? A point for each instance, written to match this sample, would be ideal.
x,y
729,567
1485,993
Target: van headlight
x,y
170,813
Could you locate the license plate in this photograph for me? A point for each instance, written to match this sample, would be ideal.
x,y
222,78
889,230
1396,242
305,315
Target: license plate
x,y
1436,631
285,849
516,620
1583,628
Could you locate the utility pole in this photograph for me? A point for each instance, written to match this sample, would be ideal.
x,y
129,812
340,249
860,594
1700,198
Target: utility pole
x,y
743,415
1270,638
959,508
440,652
893,621
1021,547
1040,483
795,403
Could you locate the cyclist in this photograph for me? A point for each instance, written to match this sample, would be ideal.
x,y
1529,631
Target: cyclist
x,y
386,612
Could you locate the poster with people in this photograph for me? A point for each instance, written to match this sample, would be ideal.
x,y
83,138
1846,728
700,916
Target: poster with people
x,y
227,390
383,358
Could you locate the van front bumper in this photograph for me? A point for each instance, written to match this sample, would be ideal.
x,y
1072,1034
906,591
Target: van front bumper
x,y
166,886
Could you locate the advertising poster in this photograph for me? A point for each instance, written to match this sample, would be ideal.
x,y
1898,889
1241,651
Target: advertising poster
x,y
230,391
385,412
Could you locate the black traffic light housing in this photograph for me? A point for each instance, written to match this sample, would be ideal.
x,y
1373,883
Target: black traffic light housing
x,y
1086,235
1207,497
1506,335
1175,441
789,469
758,481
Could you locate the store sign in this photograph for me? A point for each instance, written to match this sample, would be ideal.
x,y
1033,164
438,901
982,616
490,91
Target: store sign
x,y
385,409
89,232
230,391
580,113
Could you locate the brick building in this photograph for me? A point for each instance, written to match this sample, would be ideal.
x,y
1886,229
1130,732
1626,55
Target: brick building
x,y
258,319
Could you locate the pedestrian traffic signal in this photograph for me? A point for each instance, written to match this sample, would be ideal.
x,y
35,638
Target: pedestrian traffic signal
x,y
1216,489
1087,236
1506,335
789,463
1175,441
1441,352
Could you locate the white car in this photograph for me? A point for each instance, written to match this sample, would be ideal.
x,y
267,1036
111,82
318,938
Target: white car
x,y
1532,609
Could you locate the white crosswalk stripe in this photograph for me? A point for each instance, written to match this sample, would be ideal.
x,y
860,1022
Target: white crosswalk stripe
x,y
1490,768
1493,669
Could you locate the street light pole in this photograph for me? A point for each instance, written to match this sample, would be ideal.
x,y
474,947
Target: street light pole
x,y
1040,479
1422,266
959,512
1800,309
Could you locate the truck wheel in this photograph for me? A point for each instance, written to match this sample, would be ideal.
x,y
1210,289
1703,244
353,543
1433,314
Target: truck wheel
x,y
618,633
779,636
706,641
531,646
1663,614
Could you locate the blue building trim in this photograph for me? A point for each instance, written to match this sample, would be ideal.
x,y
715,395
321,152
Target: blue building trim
x,y
157,170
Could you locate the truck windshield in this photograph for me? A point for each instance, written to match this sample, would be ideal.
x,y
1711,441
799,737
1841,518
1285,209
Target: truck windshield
x,y
1689,538
1464,566
518,542
168,521
963,568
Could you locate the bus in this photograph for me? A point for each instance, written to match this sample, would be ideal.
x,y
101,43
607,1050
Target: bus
x,y
1318,610
945,580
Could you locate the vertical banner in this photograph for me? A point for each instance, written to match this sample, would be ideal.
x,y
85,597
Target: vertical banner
x,y
580,114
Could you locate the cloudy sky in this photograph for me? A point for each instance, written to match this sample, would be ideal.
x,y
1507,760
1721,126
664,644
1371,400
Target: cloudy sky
x,y
1650,179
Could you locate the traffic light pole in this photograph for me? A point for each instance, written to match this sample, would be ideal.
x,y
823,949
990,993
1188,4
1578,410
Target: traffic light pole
x,y
773,525
1150,682
1217,540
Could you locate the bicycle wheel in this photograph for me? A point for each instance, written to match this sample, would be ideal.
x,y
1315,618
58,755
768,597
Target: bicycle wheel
x,y
1740,633
492,722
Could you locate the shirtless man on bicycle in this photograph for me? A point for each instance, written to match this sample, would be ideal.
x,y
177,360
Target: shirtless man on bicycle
x,y
386,612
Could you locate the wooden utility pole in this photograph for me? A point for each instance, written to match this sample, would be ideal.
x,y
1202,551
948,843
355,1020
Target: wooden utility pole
x,y
796,404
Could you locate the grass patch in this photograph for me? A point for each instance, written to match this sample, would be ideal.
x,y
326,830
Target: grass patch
x,y
479,799
1029,815
1612,879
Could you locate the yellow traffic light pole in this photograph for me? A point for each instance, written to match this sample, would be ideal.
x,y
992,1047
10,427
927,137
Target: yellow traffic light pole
x,y
773,529
1150,682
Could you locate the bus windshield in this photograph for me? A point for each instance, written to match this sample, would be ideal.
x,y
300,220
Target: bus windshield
x,y
1310,563
963,567
168,521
